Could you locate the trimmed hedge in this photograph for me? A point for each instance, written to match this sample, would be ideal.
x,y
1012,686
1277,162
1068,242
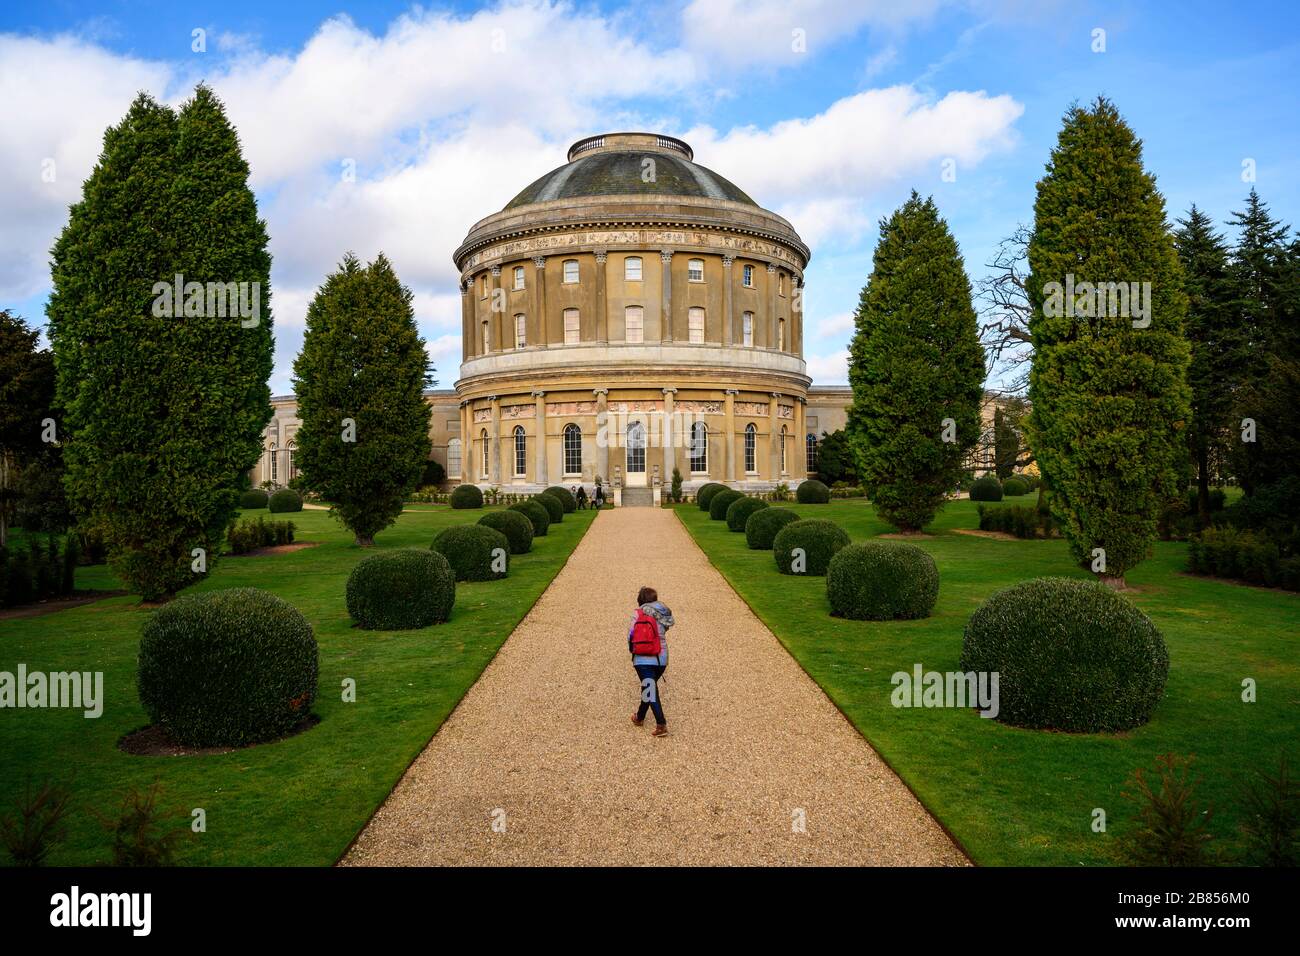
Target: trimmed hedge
x,y
812,492
738,512
515,526
399,590
471,550
721,501
1014,487
285,500
253,499
250,533
819,538
1023,521
1070,655
466,496
987,488
762,526
536,513
704,496
882,581
227,668
566,497
553,505
1254,556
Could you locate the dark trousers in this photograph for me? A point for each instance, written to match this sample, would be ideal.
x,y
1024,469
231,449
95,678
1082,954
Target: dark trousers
x,y
650,674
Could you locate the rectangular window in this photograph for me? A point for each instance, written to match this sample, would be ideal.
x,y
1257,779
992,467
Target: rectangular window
x,y
747,322
519,277
521,331
747,275
780,283
812,452
487,339
695,270
570,270
483,286
632,269
571,330
696,328
634,324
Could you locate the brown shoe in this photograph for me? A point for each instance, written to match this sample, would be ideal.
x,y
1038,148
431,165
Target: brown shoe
x,y
661,730
638,720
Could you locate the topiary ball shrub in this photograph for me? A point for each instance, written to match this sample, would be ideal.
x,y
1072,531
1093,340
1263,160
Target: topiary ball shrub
x,y
721,501
515,526
704,496
253,499
1070,655
882,581
987,488
1014,488
566,497
762,526
738,512
812,492
536,513
475,552
286,499
819,540
399,590
227,668
466,496
553,505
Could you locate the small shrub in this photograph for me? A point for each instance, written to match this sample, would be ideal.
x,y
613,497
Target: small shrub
x,y
675,487
434,474
1014,487
1171,828
252,533
38,825
762,526
536,513
1271,805
253,499
285,500
704,497
812,492
227,668
1019,520
466,496
1071,655
817,538
474,551
515,526
400,590
143,833
738,512
553,505
721,501
987,488
882,581
566,497
1260,557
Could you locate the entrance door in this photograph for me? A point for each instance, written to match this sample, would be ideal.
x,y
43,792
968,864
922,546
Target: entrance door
x,y
635,466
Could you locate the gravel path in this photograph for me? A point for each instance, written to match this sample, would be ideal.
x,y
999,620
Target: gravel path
x,y
540,764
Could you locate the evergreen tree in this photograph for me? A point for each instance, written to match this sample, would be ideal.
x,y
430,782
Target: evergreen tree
x,y
916,367
26,395
1006,445
835,458
1213,334
163,396
1108,385
360,381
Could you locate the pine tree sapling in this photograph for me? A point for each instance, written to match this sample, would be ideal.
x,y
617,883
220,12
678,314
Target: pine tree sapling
x,y
916,368
38,824
1171,828
1271,804
360,381
1108,384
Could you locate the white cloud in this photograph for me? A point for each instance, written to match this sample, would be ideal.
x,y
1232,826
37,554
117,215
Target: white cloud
x,y
830,369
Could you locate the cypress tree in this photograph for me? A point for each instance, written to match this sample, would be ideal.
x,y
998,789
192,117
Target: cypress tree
x,y
163,396
916,367
360,381
1006,445
1108,384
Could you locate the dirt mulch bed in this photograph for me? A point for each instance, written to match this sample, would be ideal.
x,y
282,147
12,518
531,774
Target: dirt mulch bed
x,y
995,535
274,549
905,536
152,741
76,599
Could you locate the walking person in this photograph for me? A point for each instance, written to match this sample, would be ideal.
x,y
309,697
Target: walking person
x,y
580,494
648,643
598,497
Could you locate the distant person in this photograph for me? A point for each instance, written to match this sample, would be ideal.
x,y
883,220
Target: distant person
x,y
647,640
581,495
598,496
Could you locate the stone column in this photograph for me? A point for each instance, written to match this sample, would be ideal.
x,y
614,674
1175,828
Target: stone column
x,y
666,307
602,310
494,317
539,399
602,448
466,443
796,315
539,300
729,445
800,469
774,436
494,457
728,318
771,305
466,321
669,435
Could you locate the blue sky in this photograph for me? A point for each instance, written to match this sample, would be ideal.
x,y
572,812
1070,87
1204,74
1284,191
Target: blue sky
x,y
448,110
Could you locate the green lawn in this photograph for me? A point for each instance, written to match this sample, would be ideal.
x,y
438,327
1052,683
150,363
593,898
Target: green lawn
x,y
299,801
1026,797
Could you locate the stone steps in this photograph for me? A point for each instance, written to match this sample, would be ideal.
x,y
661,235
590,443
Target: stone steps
x,y
638,498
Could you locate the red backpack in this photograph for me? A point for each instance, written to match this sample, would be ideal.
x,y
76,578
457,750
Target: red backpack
x,y
645,635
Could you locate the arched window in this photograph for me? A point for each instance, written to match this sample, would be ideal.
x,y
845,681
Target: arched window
x,y
293,455
572,450
699,448
521,452
695,270
751,445
274,453
747,329
747,276
521,331
695,325
572,330
453,458
634,324
780,334
570,270
484,439
519,278
632,269
811,442
784,433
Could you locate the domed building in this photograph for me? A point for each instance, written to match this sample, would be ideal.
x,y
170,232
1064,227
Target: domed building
x,y
629,313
